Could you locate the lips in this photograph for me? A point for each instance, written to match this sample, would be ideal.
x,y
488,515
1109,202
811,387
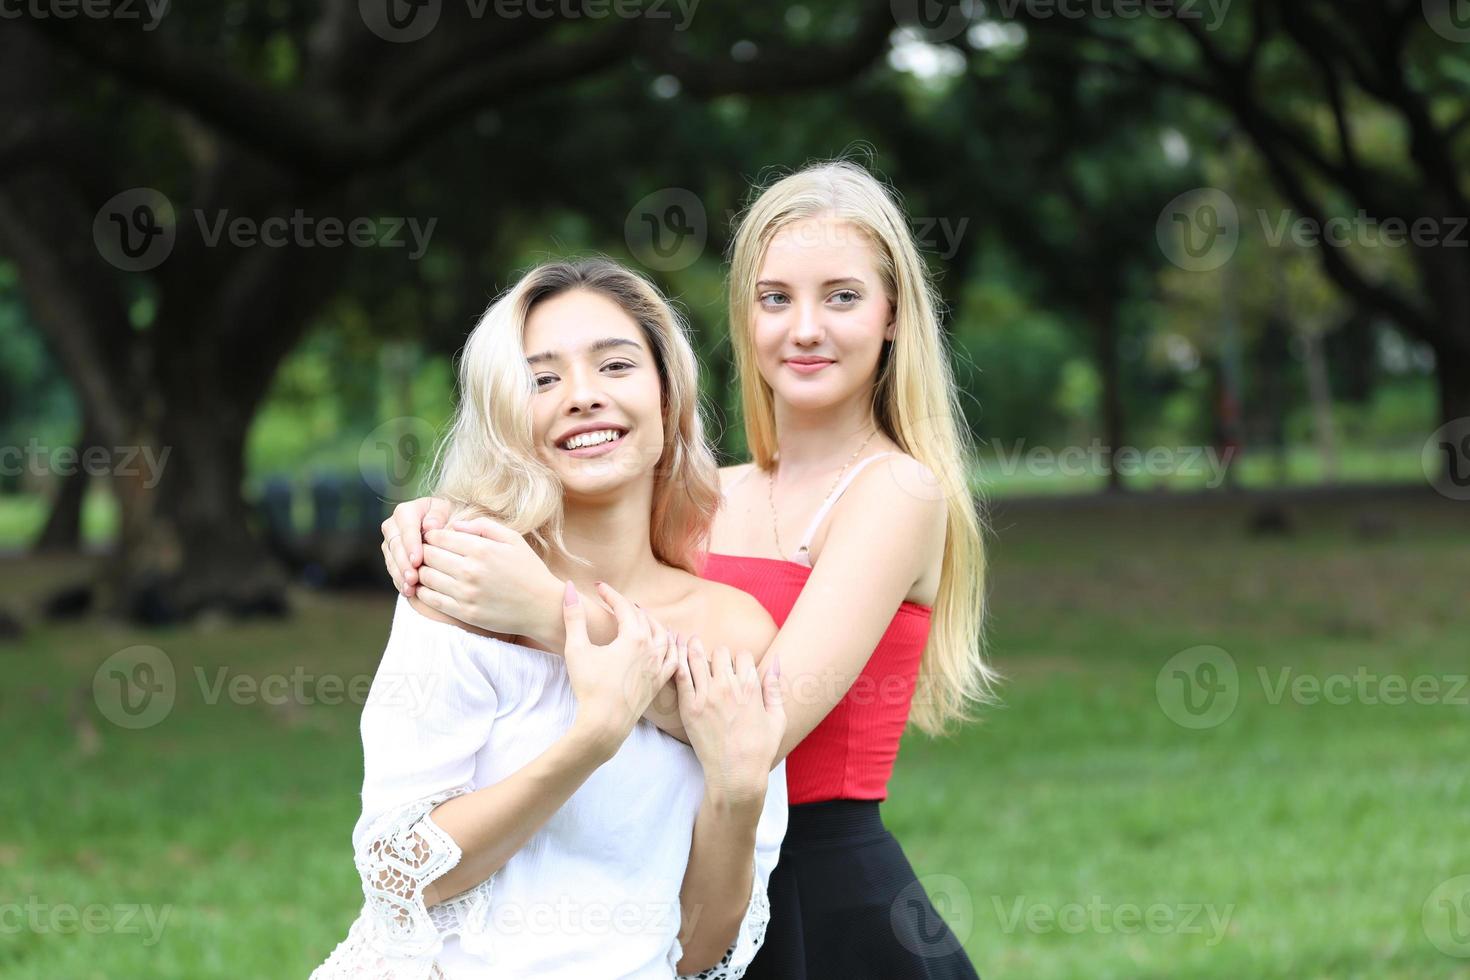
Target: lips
x,y
808,365
586,446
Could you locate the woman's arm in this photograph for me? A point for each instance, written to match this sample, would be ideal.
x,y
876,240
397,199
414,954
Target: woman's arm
x,y
491,824
717,884
426,834
859,581
734,718
612,684
480,572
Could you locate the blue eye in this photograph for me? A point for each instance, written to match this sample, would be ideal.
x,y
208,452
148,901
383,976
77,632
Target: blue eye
x,y
772,297
850,294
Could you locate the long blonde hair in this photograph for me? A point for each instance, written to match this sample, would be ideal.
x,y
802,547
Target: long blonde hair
x,y
487,461
915,402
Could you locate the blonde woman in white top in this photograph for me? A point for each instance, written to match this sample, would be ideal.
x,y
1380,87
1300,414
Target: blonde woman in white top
x,y
521,815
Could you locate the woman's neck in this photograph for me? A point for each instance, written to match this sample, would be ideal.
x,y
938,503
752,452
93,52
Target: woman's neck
x,y
612,533
816,442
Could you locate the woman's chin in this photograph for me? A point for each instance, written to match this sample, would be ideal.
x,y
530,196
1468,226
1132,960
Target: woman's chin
x,y
597,479
811,398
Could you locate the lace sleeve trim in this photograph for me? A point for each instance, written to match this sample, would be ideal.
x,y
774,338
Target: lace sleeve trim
x,y
747,942
397,936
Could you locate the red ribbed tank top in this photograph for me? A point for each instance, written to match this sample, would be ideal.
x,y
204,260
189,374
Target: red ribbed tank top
x,y
850,754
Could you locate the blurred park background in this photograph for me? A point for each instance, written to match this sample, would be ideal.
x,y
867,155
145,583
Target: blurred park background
x,y
1207,272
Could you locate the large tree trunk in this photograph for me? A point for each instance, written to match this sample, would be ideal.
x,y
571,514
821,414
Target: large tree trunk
x,y
185,543
179,398
63,531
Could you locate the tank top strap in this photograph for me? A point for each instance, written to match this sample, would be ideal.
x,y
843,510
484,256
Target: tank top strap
x,y
837,491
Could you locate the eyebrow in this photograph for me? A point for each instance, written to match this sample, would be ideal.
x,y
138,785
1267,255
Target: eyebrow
x,y
825,285
595,347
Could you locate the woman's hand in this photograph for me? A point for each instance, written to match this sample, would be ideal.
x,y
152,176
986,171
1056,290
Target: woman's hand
x,y
734,719
483,573
403,541
614,684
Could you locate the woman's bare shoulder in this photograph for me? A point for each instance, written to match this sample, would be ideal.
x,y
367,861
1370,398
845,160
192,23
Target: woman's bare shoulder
x,y
733,618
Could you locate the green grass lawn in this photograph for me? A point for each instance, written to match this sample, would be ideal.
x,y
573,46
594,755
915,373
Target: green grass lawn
x,y
1078,832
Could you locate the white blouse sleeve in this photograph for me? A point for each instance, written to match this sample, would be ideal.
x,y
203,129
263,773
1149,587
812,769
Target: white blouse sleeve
x,y
769,831
426,717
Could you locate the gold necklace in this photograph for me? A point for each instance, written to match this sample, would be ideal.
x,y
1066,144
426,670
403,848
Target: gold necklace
x,y
771,491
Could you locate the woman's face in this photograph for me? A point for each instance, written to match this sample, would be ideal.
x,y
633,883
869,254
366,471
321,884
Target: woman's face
x,y
597,417
821,314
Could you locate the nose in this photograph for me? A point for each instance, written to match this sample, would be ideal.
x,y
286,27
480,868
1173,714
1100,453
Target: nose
x,y
584,393
808,329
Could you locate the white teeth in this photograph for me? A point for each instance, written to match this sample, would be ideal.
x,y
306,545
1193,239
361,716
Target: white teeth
x,y
591,438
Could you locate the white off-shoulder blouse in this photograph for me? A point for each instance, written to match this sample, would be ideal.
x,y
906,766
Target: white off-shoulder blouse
x,y
593,894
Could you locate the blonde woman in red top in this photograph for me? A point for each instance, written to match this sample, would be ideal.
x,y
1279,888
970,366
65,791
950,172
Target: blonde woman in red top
x,y
853,525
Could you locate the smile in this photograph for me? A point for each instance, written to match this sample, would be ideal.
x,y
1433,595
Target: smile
x,y
591,442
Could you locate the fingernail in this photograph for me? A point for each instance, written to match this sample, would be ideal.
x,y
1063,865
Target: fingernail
x,y
413,556
570,597
776,667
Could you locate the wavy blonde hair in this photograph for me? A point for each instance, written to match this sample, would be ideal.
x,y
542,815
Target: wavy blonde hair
x,y
915,402
487,461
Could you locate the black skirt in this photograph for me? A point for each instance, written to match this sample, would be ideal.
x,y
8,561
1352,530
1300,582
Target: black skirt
x,y
846,905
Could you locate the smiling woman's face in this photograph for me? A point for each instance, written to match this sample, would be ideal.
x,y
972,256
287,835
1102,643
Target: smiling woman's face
x,y
821,314
597,416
